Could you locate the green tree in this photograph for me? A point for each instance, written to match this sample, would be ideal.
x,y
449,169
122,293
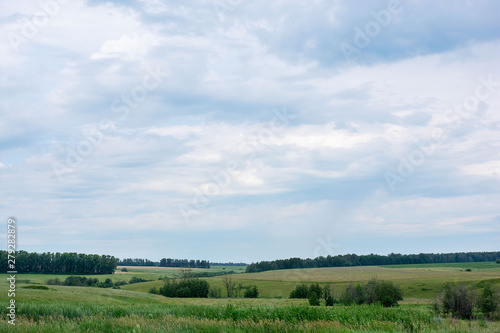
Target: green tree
x,y
489,300
251,292
300,291
313,299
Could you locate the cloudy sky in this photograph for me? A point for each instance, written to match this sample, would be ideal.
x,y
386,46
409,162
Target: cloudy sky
x,y
234,130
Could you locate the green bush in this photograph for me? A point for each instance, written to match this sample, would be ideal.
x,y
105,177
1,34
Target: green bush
x,y
54,282
108,283
375,291
124,269
489,301
315,288
215,292
36,287
135,279
458,300
251,292
313,299
81,281
498,261
353,295
300,291
153,290
186,288
119,283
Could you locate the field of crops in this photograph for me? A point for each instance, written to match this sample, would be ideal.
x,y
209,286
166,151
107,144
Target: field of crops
x,y
86,309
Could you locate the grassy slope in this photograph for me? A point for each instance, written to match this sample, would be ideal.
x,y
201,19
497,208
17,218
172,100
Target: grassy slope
x,y
419,282
78,309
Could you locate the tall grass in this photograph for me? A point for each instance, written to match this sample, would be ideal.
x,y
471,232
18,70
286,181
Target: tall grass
x,y
72,316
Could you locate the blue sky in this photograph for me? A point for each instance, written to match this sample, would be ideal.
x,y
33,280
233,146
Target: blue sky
x,y
250,130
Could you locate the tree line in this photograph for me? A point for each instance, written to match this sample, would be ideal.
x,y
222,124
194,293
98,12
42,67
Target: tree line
x,y
169,262
371,260
136,262
165,262
67,262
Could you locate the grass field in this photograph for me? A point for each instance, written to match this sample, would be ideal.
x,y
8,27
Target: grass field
x,y
85,309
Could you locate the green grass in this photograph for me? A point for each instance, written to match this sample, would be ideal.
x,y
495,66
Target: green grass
x,y
76,309
85,309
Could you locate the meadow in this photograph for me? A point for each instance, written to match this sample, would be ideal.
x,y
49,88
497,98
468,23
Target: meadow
x,y
133,309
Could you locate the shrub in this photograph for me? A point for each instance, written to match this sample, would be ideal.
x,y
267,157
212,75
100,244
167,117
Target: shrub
x,y
81,281
124,269
468,270
135,279
300,291
36,287
315,288
498,261
489,301
329,301
54,282
458,300
215,292
375,291
119,283
251,292
327,293
384,292
108,283
313,299
353,295
153,290
186,288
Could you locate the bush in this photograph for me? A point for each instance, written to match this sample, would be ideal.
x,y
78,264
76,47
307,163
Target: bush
x,y
119,283
457,300
54,282
251,292
153,290
498,261
313,299
36,287
315,288
81,281
108,283
124,269
329,301
489,301
300,291
135,279
375,291
384,292
215,292
353,295
186,288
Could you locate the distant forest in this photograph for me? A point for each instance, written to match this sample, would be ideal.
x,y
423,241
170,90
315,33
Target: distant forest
x,y
229,264
371,260
165,262
47,262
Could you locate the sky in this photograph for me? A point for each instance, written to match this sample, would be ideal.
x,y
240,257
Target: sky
x,y
236,130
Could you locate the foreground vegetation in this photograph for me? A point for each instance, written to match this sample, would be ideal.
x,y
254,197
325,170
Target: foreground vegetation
x,y
59,308
70,309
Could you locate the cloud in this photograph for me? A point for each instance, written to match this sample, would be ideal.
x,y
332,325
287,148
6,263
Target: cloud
x,y
256,120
